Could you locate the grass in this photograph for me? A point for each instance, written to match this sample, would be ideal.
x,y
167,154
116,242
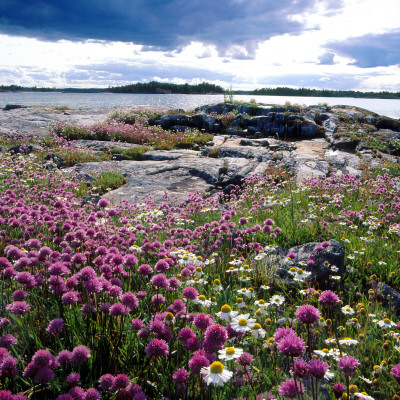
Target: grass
x,y
105,182
134,153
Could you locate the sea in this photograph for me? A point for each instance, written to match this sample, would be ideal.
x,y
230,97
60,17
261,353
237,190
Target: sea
x,y
389,108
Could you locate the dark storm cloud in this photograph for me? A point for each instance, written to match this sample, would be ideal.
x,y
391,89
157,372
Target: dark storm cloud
x,y
371,50
157,24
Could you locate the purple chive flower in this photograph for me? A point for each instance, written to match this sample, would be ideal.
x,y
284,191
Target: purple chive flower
x,y
307,314
157,348
317,368
130,300
348,365
80,354
106,381
77,393
137,324
180,376
55,326
121,381
92,394
338,389
214,338
325,244
190,293
292,346
288,389
118,309
301,368
145,270
160,281
395,371
44,375
202,321
19,295
245,359
103,203
158,299
18,308
197,363
292,256
280,333
186,334
73,379
42,358
7,341
63,397
64,357
328,298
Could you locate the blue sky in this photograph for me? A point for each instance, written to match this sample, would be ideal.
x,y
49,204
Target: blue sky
x,y
330,44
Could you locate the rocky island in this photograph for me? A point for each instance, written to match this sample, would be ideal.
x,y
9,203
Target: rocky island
x,y
246,139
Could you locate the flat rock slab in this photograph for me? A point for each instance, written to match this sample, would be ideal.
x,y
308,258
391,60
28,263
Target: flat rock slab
x,y
35,120
178,177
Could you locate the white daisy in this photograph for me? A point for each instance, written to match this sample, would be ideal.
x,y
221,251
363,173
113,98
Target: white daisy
x,y
322,353
203,301
387,323
257,331
226,313
246,292
363,395
347,310
348,341
242,323
216,374
264,287
230,353
277,300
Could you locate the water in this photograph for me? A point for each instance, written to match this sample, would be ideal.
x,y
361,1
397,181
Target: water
x,y
390,108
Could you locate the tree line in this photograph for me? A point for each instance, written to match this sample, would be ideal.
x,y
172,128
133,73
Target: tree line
x,y
207,88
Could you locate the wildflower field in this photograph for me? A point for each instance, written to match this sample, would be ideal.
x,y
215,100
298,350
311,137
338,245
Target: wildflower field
x,y
134,301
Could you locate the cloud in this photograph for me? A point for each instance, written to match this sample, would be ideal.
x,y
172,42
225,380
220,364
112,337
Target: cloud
x,y
371,51
326,59
156,24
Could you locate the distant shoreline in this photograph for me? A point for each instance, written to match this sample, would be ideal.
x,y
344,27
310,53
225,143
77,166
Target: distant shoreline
x,y
209,89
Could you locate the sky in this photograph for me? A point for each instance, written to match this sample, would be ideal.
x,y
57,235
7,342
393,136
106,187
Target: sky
x,y
243,44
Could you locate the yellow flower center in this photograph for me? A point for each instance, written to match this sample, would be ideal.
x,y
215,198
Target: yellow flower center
x,y
276,299
300,271
185,257
169,316
199,258
293,269
251,289
196,279
242,322
256,326
239,300
216,367
271,340
229,351
386,321
326,351
346,338
231,268
246,266
258,313
213,298
199,269
226,309
261,301
202,297
217,282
